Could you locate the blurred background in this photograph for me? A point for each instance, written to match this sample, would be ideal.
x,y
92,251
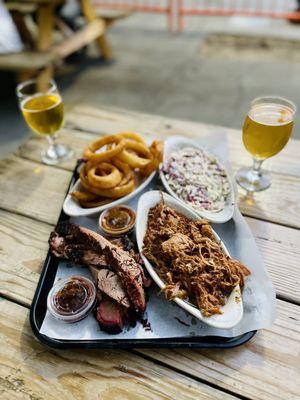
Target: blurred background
x,y
188,59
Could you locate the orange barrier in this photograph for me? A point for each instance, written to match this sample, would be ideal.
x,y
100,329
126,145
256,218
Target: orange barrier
x,y
280,9
177,10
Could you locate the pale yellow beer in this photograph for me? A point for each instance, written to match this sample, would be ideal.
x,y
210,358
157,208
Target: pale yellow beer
x,y
267,129
44,113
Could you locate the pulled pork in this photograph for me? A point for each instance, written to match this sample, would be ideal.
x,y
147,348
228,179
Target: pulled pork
x,y
189,259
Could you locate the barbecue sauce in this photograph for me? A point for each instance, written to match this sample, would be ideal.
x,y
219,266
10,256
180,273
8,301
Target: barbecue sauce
x,y
117,221
72,297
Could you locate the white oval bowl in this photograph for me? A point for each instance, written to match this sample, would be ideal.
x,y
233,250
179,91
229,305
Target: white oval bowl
x,y
73,209
232,312
174,143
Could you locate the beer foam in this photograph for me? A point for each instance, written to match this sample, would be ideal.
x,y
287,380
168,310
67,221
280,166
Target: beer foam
x,y
271,114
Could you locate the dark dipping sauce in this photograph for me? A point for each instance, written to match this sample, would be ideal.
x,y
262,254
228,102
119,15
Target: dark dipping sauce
x,y
117,220
72,297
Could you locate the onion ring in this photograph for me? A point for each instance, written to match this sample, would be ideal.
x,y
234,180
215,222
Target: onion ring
x,y
116,192
133,158
131,136
112,179
90,151
84,196
157,149
125,169
83,176
95,203
119,191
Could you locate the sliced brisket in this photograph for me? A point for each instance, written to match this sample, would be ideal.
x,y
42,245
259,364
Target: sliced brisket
x,y
111,316
130,274
110,284
77,253
88,247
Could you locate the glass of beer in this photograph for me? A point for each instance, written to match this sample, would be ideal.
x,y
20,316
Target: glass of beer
x,y
43,110
267,129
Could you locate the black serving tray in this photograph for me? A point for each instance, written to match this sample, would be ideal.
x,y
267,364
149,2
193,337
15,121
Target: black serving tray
x,y
39,307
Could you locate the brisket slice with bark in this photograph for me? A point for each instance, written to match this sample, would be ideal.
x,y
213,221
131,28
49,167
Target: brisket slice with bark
x,y
111,316
124,265
77,253
130,274
125,243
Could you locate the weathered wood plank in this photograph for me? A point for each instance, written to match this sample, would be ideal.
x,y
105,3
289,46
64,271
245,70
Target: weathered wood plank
x,y
267,367
24,245
31,371
25,60
279,204
77,140
79,39
280,249
32,189
109,120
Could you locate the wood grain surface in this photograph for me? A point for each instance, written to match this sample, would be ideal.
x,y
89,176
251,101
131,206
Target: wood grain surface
x,y
32,189
24,245
280,250
30,371
77,140
279,204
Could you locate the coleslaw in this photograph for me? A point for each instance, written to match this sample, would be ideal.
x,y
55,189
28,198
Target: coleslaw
x,y
197,178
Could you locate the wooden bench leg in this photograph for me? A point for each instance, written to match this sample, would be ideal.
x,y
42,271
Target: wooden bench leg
x,y
45,22
105,48
26,35
43,78
90,15
24,75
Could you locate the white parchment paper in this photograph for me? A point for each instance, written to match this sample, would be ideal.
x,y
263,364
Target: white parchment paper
x,y
168,320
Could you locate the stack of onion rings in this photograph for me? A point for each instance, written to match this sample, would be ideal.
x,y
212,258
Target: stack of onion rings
x,y
111,166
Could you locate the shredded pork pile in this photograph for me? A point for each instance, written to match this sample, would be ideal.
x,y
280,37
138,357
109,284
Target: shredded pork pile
x,y
190,260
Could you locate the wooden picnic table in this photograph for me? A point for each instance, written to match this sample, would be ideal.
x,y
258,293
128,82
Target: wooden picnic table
x,y
38,24
31,198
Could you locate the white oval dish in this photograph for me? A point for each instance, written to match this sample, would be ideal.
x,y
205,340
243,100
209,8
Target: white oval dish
x,y
233,309
73,209
178,142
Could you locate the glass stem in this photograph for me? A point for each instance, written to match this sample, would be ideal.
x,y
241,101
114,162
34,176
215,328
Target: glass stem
x,y
256,167
52,150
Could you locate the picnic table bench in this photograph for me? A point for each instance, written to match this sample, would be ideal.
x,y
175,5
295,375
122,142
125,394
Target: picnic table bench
x,y
37,22
31,198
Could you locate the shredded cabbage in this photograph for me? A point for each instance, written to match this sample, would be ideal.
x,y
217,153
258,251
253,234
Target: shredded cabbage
x,y
197,178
